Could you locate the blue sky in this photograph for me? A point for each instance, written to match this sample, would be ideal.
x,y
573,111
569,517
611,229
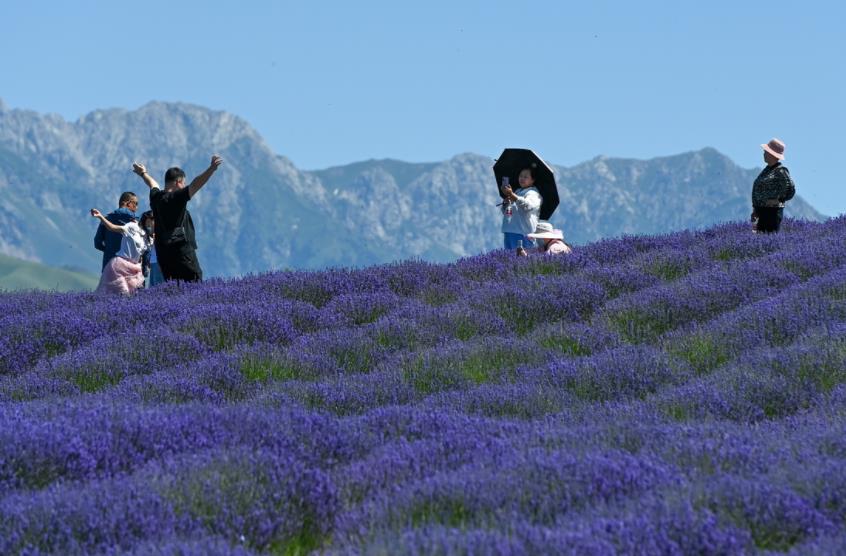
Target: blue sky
x,y
328,83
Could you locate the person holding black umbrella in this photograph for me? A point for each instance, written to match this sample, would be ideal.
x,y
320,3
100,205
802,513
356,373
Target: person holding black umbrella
x,y
536,199
520,210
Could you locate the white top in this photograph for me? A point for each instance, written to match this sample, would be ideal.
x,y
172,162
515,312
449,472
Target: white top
x,y
134,242
525,212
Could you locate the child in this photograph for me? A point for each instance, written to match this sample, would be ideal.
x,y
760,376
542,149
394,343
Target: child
x,y
525,210
551,240
123,273
149,262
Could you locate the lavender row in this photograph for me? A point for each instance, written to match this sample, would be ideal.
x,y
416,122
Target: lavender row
x,y
646,314
493,405
357,297
259,499
774,321
464,473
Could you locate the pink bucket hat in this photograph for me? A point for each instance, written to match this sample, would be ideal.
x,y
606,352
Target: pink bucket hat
x,y
775,147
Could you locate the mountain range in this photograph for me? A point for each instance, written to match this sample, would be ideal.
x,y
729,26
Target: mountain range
x,y
261,212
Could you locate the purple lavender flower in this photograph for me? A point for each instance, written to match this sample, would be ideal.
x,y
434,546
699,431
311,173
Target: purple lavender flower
x,y
674,394
777,518
459,365
269,499
621,373
108,359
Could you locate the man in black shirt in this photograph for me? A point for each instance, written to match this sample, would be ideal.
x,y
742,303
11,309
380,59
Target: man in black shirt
x,y
176,245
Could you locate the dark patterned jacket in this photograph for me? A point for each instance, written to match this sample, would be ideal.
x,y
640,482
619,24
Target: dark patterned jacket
x,y
772,187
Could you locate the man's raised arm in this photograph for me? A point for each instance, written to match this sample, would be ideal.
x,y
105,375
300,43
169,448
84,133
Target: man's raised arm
x,y
148,179
198,182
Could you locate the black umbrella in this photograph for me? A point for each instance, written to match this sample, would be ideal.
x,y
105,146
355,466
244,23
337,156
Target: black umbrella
x,y
512,161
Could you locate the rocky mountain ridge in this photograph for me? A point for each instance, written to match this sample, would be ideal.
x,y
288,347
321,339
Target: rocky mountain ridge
x,y
261,212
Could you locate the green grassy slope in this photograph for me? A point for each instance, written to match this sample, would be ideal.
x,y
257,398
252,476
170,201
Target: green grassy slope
x,y
17,274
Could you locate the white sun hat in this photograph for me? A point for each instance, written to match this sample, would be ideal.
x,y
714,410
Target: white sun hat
x,y
546,231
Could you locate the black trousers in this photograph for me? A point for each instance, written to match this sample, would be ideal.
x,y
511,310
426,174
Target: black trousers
x,y
180,264
769,218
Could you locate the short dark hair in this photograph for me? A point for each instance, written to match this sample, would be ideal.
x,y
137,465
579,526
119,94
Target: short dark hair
x,y
125,197
174,174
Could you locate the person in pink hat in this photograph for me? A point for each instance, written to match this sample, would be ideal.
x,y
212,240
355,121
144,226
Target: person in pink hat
x,y
772,188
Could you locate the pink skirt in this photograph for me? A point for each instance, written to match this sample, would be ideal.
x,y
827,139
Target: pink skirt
x,y
121,276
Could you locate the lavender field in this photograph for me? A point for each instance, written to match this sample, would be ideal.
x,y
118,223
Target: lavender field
x,y
679,394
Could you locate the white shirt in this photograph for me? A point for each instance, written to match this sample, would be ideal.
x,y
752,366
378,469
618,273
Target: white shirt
x,y
525,212
134,242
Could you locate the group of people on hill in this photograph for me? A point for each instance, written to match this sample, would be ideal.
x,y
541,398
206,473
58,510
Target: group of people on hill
x,y
161,244
522,228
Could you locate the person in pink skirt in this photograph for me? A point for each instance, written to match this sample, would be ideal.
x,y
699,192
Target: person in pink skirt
x,y
123,273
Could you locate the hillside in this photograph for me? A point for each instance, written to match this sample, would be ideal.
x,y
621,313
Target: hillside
x,y
670,394
261,213
17,274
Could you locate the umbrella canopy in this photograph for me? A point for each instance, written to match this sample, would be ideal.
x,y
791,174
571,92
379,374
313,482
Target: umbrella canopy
x,y
512,161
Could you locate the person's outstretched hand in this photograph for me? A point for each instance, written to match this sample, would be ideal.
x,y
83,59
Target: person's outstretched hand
x,y
139,168
96,213
216,161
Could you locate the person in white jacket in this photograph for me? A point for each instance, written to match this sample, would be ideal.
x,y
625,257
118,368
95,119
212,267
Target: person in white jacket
x,y
524,208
